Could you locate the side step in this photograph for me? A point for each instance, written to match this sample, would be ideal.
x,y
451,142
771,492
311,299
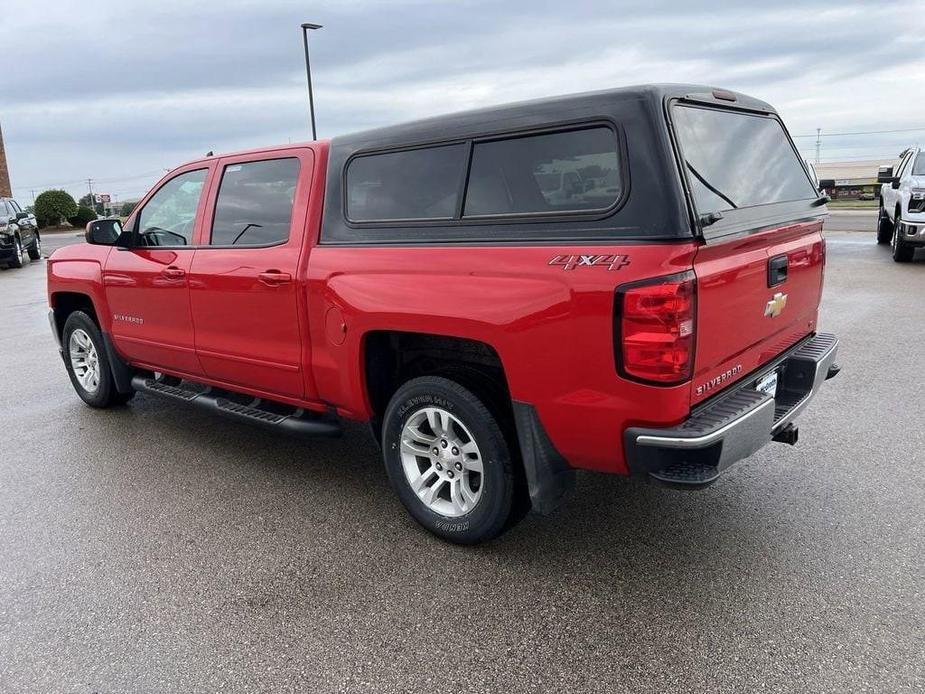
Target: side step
x,y
686,475
298,421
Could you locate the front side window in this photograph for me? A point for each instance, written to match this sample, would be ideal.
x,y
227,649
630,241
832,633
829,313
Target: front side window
x,y
918,169
737,160
574,171
169,217
254,204
416,184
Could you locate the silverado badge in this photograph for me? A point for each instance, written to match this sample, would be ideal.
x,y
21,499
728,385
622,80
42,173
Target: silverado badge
x,y
776,305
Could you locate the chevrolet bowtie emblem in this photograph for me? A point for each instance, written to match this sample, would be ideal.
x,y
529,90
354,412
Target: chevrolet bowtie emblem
x,y
776,305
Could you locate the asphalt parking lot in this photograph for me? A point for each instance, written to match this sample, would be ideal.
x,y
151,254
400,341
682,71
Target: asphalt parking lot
x,y
156,548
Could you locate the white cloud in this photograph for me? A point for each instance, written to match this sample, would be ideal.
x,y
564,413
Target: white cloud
x,y
138,86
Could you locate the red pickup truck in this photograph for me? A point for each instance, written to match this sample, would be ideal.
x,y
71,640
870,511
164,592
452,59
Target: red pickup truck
x,y
624,281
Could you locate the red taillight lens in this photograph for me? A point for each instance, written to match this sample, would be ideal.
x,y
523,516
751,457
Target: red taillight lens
x,y
656,325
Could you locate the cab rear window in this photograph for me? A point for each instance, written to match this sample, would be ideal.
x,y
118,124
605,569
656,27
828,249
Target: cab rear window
x,y
737,160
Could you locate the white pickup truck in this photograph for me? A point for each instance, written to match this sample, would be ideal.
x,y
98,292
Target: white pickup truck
x,y
901,221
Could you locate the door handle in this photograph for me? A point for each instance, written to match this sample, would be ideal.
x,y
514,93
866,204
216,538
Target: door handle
x,y
273,278
174,273
777,270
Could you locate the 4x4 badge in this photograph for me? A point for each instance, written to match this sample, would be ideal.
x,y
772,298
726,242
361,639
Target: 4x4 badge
x,y
611,262
776,305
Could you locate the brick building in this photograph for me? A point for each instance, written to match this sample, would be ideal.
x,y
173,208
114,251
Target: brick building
x,y
5,190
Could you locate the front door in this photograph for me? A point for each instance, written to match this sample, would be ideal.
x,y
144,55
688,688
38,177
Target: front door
x,y
147,285
245,291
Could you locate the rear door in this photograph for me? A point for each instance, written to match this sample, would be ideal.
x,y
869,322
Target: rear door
x,y
245,292
759,274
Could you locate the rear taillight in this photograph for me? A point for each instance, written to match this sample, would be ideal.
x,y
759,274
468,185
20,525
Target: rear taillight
x,y
654,329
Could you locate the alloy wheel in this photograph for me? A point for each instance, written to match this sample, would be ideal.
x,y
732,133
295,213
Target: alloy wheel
x,y
442,462
84,360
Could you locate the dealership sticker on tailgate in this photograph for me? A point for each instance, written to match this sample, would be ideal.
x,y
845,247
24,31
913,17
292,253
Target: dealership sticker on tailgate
x,y
768,384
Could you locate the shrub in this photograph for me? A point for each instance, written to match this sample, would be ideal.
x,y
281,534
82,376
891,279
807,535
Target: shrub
x,y
83,216
52,206
128,208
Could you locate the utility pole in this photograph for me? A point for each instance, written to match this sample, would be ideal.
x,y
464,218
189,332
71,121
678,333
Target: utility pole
x,y
818,143
308,71
90,188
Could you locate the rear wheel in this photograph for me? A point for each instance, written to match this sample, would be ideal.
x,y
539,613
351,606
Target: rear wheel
x,y
35,248
87,363
884,227
448,461
902,251
16,260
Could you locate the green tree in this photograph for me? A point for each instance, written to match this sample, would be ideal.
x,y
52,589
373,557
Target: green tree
x,y
89,201
128,208
84,215
53,206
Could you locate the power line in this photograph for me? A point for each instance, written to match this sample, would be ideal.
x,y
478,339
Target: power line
x,y
111,179
862,132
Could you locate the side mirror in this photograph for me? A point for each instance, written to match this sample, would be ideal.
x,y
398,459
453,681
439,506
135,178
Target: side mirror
x,y
885,174
104,232
21,215
826,184
894,183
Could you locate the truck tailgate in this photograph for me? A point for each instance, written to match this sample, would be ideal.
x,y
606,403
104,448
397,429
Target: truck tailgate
x,y
757,295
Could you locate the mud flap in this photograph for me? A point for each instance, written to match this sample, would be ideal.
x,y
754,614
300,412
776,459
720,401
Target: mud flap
x,y
549,477
121,372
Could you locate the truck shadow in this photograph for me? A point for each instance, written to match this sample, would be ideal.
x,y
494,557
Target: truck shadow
x,y
610,525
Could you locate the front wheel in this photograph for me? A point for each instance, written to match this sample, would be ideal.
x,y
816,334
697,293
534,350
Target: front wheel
x,y
16,260
902,251
884,227
35,248
448,461
87,363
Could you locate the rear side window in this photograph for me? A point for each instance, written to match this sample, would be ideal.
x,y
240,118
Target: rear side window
x,y
416,184
736,160
254,204
574,171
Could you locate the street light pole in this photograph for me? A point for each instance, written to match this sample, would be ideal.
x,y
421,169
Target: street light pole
x,y
308,72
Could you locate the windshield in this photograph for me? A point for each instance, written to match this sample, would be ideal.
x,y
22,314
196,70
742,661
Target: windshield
x,y
735,159
918,169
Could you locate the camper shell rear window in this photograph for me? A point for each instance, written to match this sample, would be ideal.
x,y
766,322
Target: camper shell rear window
x,y
741,168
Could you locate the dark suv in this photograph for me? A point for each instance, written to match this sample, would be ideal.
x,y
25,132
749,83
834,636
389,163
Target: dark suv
x,y
19,233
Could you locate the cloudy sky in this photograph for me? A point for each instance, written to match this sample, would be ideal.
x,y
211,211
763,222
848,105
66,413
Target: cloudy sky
x,y
120,90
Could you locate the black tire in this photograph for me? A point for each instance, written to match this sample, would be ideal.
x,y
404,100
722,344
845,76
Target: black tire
x,y
105,394
35,248
884,227
16,260
493,509
902,251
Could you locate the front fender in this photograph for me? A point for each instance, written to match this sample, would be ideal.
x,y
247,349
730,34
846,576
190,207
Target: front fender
x,y
80,273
